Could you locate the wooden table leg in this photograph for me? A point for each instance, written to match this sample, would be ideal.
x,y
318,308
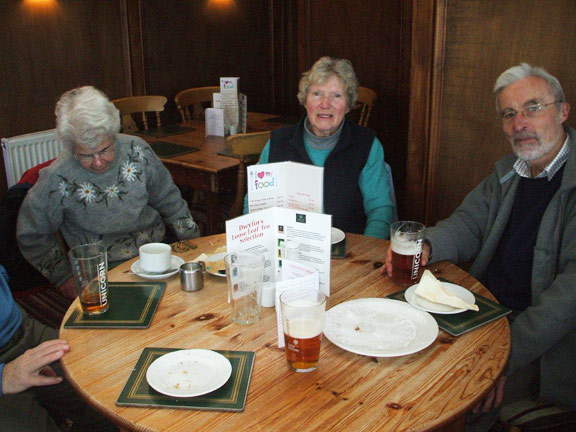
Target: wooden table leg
x,y
212,213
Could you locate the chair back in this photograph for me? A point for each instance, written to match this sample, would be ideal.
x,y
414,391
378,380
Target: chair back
x,y
192,102
364,104
139,105
248,147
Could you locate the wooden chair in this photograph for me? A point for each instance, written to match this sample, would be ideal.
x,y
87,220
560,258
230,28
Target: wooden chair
x,y
192,102
139,104
248,147
364,104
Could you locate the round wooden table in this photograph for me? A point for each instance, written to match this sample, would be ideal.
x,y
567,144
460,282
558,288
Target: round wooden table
x,y
428,390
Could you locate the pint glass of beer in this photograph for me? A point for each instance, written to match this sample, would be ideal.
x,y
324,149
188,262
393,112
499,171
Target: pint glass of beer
x,y
90,269
303,322
406,238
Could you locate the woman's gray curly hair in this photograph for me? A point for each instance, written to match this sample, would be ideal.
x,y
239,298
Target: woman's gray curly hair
x,y
323,70
85,116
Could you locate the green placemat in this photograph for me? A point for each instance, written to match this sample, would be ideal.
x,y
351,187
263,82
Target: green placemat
x,y
457,324
338,250
163,131
230,397
132,305
167,149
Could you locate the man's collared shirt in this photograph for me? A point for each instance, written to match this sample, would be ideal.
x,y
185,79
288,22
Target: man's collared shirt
x,y
523,167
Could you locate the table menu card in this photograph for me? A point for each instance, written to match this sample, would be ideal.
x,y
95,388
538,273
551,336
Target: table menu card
x,y
230,397
285,184
132,305
266,231
460,323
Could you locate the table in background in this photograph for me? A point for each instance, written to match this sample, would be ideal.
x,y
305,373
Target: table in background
x,y
427,390
206,170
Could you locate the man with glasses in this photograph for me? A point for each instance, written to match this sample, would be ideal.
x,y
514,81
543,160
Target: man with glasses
x,y
519,228
105,187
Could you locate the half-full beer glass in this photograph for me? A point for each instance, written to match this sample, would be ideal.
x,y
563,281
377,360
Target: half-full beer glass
x,y
90,269
303,322
406,238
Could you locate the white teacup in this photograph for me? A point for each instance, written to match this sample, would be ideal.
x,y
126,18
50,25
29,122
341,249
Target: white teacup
x,y
155,257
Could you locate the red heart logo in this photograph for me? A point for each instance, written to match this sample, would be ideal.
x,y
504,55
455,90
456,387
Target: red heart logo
x,y
261,174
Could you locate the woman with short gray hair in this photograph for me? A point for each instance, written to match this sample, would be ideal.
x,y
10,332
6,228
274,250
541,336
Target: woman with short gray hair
x,y
356,188
105,187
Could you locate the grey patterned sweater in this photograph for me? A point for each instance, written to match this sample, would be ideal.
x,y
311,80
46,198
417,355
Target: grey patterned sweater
x,y
122,208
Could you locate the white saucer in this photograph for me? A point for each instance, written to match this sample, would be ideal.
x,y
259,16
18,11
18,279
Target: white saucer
x,y
437,308
216,257
336,235
175,265
189,373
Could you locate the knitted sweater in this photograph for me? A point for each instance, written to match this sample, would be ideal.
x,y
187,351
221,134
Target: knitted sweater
x,y
122,208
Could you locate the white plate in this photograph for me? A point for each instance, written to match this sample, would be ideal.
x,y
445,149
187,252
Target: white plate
x,y
379,327
437,308
336,235
188,373
216,257
175,265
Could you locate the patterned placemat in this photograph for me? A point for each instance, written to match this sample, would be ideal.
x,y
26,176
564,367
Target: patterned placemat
x,y
458,324
163,131
230,397
166,149
132,305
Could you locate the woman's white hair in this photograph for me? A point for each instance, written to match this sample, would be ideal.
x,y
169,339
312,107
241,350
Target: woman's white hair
x,y
322,71
524,70
86,116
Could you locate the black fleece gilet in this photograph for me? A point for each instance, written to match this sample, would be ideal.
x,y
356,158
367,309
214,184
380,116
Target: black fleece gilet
x,y
342,194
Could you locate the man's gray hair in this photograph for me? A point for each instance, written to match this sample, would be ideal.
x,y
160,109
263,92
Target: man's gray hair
x,y
86,116
324,69
524,70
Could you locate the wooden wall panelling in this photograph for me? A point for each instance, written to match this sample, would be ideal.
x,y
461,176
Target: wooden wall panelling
x,y
481,40
285,44
421,74
194,43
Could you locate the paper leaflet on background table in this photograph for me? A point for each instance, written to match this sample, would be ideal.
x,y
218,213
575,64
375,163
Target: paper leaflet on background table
x,y
265,231
285,184
214,121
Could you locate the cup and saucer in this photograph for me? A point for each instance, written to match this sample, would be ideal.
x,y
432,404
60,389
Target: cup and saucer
x,y
156,262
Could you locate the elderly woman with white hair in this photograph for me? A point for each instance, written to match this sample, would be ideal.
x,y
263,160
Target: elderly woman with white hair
x,y
356,187
104,187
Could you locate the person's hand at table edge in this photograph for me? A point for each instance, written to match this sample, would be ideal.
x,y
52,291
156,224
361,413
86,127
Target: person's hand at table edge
x,y
31,368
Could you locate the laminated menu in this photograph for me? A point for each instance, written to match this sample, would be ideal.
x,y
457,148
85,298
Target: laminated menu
x,y
266,232
285,184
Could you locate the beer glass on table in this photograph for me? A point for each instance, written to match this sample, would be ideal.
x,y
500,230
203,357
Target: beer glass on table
x,y
303,322
90,269
245,275
406,238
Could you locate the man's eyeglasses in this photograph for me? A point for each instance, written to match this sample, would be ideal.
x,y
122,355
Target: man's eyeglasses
x,y
531,110
91,157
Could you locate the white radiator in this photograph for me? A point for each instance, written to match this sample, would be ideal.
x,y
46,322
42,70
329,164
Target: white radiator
x,y
26,151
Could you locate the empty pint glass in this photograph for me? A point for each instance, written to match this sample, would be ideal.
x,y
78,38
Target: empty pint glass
x,y
245,274
303,322
90,270
406,238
